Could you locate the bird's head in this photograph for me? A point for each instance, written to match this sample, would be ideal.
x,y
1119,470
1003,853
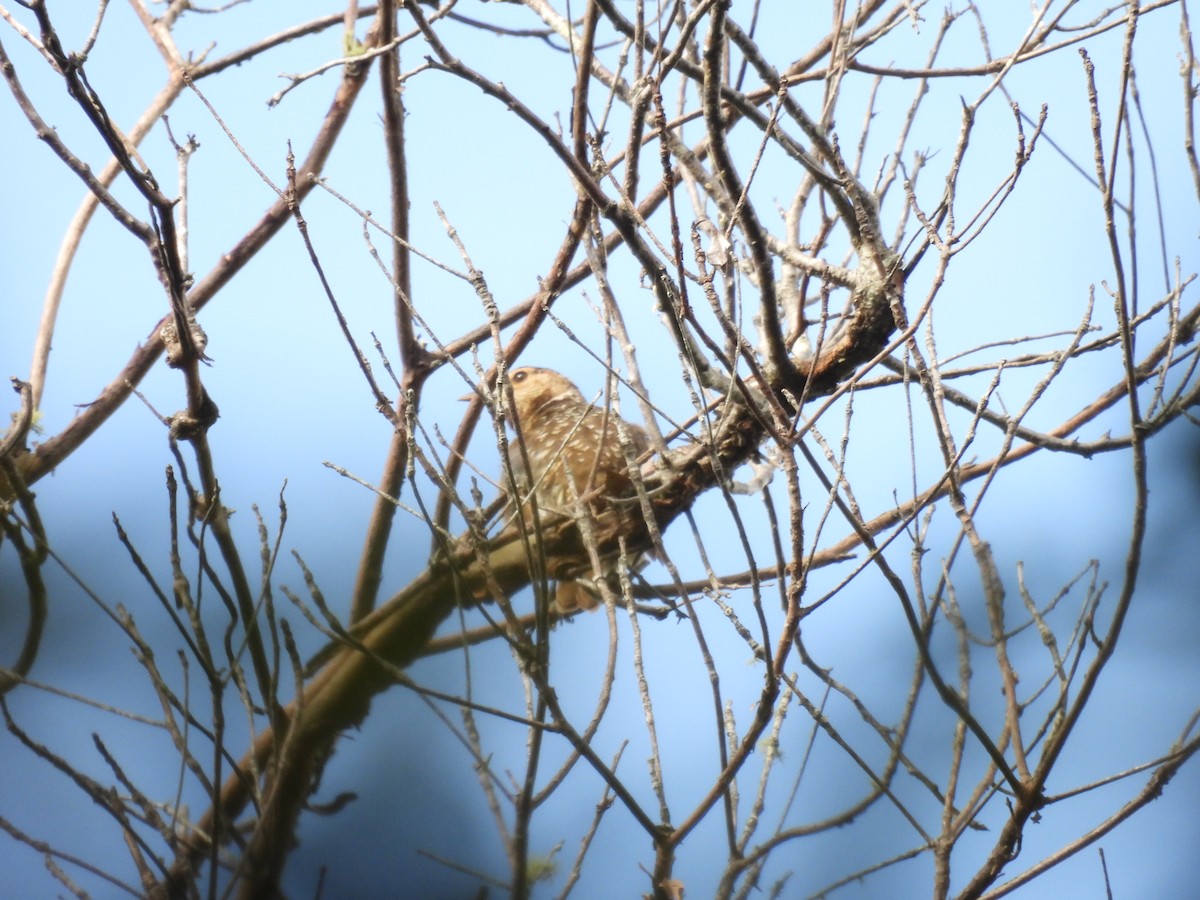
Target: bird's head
x,y
535,389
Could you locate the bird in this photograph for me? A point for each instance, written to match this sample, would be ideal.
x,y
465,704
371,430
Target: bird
x,y
576,468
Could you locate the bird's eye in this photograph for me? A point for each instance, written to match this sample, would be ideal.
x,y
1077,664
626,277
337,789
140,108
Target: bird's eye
x,y
518,377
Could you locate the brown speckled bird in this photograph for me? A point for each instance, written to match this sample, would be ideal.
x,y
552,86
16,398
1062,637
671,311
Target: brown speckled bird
x,y
574,453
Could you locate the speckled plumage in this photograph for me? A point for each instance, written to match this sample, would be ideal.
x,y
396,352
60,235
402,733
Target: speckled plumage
x,y
574,451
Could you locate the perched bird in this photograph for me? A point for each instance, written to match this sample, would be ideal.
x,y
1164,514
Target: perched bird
x,y
576,467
